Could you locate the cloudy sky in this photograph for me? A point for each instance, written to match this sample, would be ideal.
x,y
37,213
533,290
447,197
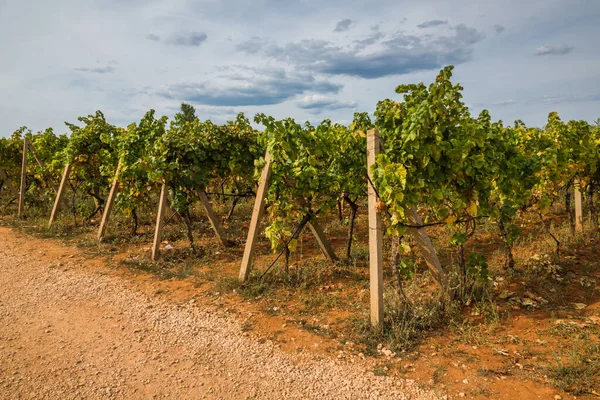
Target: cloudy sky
x,y
307,59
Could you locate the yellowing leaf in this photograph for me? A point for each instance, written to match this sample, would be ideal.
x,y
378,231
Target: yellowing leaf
x,y
472,210
405,248
451,219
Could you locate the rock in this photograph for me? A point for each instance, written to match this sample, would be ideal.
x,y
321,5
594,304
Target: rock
x,y
506,294
579,306
528,302
593,320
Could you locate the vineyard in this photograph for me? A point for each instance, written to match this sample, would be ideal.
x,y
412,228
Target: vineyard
x,y
424,195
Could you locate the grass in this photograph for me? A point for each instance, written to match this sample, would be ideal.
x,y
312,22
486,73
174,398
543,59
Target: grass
x,y
468,333
318,329
437,375
405,325
379,371
247,326
163,269
578,374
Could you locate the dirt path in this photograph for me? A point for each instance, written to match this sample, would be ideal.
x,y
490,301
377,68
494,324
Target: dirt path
x,y
71,331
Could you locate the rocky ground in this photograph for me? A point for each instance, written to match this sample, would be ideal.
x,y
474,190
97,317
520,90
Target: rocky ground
x,y
69,330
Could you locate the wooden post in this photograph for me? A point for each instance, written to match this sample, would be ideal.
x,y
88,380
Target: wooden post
x,y
23,179
257,212
9,185
61,190
324,244
214,222
114,189
40,163
578,207
375,234
162,202
426,248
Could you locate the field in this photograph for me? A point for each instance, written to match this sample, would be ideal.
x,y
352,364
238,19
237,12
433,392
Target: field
x,y
529,332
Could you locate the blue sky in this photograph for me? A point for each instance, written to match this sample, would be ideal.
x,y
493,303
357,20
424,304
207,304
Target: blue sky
x,y
305,59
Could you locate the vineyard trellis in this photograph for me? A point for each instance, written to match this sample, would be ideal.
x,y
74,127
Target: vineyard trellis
x,y
424,161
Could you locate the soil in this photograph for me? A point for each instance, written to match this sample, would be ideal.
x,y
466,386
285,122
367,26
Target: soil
x,y
76,323
71,328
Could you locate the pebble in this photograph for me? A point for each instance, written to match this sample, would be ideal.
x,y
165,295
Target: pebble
x,y
179,344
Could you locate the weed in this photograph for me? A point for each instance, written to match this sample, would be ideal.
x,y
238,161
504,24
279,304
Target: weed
x,y
468,333
254,289
439,372
579,374
487,373
404,324
226,284
163,269
247,326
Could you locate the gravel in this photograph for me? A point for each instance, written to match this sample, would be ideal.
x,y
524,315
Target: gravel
x,y
71,332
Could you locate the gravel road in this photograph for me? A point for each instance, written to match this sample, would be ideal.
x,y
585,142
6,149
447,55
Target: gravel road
x,y
68,331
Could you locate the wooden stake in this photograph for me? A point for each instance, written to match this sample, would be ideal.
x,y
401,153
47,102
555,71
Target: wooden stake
x,y
426,248
61,190
257,212
162,202
324,244
9,185
578,207
40,163
114,189
23,179
214,222
375,234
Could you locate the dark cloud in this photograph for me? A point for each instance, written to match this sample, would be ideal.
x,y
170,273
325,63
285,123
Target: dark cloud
x,y
435,22
557,50
315,104
251,46
153,37
376,56
370,40
102,70
193,39
250,87
499,28
343,25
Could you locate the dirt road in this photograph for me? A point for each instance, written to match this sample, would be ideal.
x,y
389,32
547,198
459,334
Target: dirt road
x,y
71,331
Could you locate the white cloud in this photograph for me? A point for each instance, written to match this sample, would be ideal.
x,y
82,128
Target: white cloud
x,y
558,50
317,103
504,103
